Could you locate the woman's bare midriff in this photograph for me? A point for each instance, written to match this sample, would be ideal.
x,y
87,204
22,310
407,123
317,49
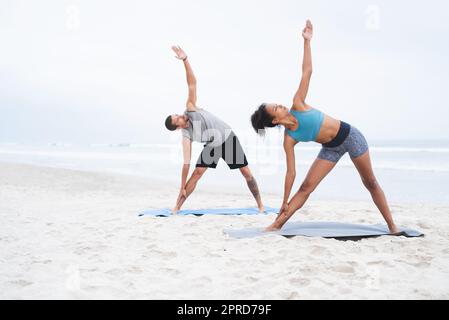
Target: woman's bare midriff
x,y
329,129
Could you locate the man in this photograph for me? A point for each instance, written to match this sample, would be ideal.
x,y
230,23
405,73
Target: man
x,y
220,141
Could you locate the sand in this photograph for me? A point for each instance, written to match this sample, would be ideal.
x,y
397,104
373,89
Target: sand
x,y
68,234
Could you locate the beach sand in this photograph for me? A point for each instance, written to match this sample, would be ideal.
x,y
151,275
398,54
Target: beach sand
x,y
68,234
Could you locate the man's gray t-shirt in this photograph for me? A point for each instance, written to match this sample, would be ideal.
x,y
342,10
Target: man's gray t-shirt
x,y
206,128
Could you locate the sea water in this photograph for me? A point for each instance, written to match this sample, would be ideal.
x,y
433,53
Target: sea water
x,y
408,171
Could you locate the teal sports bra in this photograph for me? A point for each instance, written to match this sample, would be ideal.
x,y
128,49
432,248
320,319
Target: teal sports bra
x,y
309,125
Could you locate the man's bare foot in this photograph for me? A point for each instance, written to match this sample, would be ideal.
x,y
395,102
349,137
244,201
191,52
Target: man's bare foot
x,y
174,210
261,209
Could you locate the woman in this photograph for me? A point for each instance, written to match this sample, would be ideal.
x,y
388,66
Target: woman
x,y
304,123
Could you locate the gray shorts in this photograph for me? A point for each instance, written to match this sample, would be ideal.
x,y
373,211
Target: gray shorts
x,y
355,144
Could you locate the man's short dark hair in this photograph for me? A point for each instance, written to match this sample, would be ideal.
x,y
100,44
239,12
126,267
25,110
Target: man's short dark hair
x,y
169,124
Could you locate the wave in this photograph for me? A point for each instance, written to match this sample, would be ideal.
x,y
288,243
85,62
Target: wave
x,y
397,163
402,167
440,168
303,148
258,146
408,149
372,149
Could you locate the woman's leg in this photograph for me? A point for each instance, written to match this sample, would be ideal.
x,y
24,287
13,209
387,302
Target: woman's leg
x,y
319,169
363,165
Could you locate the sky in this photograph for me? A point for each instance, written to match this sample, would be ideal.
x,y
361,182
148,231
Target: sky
x,y
84,71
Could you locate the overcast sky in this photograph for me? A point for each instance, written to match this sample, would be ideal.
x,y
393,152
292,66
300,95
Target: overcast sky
x,y
85,71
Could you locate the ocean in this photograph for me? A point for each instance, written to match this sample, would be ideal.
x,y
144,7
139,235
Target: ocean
x,y
408,171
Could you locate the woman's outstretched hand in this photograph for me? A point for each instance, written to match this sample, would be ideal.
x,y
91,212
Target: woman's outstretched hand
x,y
307,32
180,54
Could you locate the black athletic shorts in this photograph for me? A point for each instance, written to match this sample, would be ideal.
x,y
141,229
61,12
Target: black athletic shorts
x,y
230,151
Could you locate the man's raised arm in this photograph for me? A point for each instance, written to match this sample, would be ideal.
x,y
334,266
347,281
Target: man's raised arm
x,y
191,80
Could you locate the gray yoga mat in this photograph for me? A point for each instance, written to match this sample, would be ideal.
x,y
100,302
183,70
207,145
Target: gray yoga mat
x,y
337,230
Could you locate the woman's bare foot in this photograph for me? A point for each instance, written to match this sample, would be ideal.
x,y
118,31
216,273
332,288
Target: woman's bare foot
x,y
261,209
393,229
272,227
174,210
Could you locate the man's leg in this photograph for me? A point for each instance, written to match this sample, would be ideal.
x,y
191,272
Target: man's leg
x,y
252,185
235,158
190,185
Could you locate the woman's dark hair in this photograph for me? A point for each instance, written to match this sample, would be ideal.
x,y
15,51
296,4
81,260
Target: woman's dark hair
x,y
261,119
